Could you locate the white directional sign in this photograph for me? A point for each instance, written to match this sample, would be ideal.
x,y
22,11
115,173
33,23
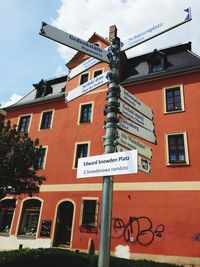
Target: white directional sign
x,y
88,63
144,164
108,164
137,130
131,143
135,116
135,103
157,29
87,87
74,42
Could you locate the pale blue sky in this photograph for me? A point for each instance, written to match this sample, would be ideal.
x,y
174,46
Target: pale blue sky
x,y
26,57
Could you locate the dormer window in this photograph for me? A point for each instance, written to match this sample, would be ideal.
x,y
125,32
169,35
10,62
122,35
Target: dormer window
x,y
43,89
156,61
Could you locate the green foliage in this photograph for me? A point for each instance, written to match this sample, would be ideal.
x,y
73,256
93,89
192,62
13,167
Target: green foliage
x,y
18,161
59,258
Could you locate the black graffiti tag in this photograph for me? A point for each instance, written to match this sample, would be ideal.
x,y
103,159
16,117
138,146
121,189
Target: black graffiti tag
x,y
138,229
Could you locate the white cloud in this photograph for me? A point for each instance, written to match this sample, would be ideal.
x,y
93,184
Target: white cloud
x,y
84,17
13,99
61,71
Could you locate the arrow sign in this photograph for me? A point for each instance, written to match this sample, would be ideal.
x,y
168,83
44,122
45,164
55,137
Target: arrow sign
x,y
135,103
87,87
156,29
135,116
130,143
137,130
73,42
144,165
88,63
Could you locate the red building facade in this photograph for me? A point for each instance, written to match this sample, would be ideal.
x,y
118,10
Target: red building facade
x,y
156,211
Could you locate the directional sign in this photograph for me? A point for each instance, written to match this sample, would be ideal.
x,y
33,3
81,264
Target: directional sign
x,y
137,130
131,143
135,116
144,164
88,63
108,164
135,103
74,42
87,87
157,29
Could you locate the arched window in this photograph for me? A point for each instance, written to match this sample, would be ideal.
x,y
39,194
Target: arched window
x,y
29,217
7,208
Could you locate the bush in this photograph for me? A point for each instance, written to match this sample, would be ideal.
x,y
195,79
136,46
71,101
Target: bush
x,y
59,258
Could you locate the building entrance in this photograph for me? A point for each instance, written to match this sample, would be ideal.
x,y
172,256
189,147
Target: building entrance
x,y
63,229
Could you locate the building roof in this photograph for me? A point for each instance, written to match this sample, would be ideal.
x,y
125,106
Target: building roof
x,y
178,59
57,91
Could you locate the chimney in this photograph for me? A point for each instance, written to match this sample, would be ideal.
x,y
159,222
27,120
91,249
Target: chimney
x,y
112,32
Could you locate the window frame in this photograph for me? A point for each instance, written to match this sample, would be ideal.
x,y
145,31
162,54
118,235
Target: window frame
x,y
18,228
186,150
93,227
80,77
96,70
180,86
45,158
75,159
80,112
13,215
41,119
19,120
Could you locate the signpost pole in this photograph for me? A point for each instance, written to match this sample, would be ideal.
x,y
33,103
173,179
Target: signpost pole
x,y
111,110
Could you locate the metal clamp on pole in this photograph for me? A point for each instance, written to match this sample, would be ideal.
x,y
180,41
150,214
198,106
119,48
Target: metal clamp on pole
x,y
111,110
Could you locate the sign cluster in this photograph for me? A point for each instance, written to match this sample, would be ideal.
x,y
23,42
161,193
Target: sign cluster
x,y
135,119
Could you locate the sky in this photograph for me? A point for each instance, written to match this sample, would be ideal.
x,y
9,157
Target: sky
x,y
27,57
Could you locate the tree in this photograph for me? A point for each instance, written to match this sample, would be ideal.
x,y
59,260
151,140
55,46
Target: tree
x,y
19,157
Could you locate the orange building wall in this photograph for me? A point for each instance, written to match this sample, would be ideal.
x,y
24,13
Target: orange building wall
x,y
171,223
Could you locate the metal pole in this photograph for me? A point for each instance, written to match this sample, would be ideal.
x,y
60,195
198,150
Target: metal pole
x,y
111,110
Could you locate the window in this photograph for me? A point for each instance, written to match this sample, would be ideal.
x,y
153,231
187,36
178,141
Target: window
x,y
81,152
85,113
46,120
177,149
43,89
89,215
174,99
41,159
24,122
84,78
97,73
7,208
29,217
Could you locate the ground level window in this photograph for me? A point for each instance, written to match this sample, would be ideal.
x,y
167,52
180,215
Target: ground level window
x,y
29,217
7,208
89,216
177,149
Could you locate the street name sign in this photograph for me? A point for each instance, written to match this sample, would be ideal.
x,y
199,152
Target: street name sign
x,y
129,142
74,42
135,103
109,164
157,29
144,164
137,130
87,87
135,116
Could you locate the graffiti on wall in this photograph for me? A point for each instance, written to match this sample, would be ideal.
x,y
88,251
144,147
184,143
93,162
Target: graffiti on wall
x,y
136,230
